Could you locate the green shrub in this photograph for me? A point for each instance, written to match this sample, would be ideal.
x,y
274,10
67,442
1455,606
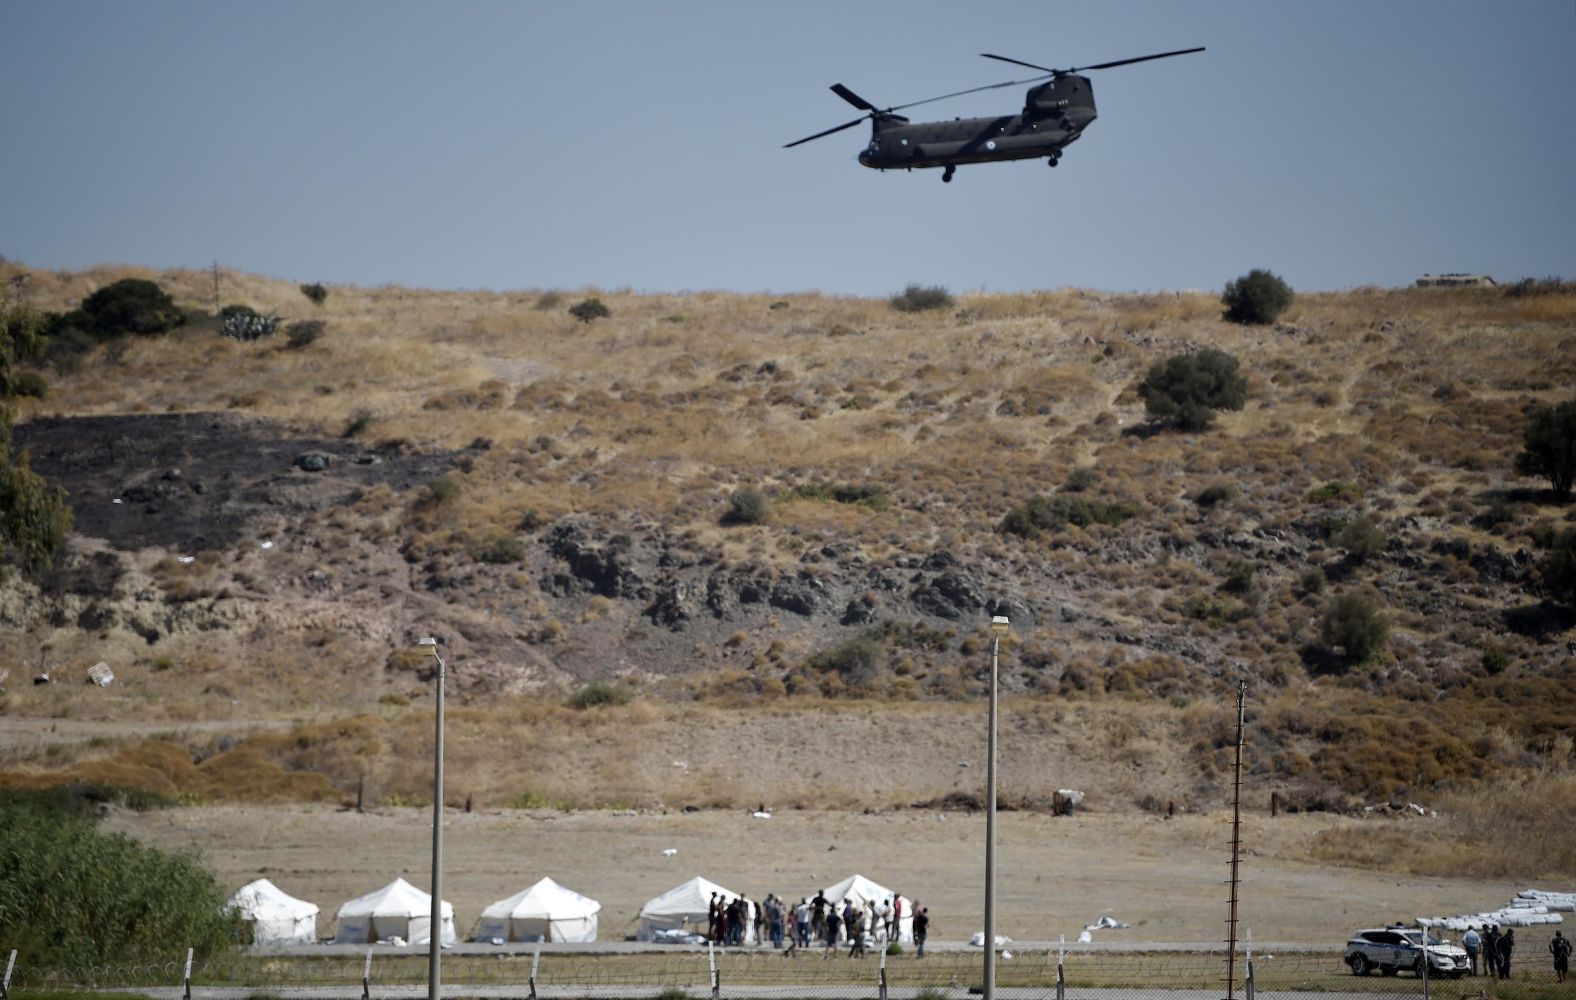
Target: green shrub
x,y
1216,493
872,495
442,489
246,325
30,384
1312,580
1495,661
501,551
600,693
857,660
316,292
360,420
132,305
587,310
1361,539
304,332
1257,297
1558,569
1549,447
893,948
1185,390
72,896
237,309
1334,490
748,505
1081,479
1042,513
918,298
34,516
1354,624
23,333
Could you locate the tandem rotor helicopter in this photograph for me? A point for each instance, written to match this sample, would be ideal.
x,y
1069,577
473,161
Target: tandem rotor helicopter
x,y
1054,115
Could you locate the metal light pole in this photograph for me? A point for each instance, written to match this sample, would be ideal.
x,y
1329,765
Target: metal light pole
x,y
998,626
435,930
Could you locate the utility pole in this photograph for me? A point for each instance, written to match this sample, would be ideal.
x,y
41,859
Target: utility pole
x,y
998,626
435,929
1236,846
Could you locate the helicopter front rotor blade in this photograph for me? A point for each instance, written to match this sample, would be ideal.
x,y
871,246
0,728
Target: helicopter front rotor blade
x,y
1020,62
829,131
852,98
1127,62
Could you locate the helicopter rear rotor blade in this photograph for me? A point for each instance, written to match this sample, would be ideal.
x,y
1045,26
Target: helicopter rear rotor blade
x,y
800,142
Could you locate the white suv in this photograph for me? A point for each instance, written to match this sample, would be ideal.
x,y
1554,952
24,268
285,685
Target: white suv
x,y
1391,949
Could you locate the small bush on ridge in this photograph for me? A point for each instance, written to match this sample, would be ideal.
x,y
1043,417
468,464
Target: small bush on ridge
x,y
1354,624
316,292
918,298
1549,447
303,332
1257,297
587,310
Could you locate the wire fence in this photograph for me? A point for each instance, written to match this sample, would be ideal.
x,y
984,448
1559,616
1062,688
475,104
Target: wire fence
x,y
947,975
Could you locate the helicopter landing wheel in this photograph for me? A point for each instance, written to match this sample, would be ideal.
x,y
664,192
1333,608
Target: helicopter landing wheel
x,y
946,175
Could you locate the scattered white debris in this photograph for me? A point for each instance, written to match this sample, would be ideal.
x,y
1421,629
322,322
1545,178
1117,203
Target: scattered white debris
x,y
1007,955
668,852
761,815
268,543
99,673
186,559
117,500
1105,923
682,765
1085,938
978,940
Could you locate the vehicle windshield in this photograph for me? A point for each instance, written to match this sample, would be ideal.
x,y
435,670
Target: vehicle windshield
x,y
1416,937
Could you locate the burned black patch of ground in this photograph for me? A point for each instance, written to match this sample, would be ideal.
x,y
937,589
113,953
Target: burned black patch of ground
x,y
197,481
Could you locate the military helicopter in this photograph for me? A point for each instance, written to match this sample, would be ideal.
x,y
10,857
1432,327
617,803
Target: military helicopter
x,y
1054,115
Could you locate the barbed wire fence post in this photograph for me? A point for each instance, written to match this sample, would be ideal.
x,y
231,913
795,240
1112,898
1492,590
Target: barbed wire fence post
x,y
366,977
881,988
1061,957
1248,990
716,979
186,989
536,960
5,983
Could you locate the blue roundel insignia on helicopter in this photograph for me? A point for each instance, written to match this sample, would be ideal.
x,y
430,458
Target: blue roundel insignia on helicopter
x,y
991,144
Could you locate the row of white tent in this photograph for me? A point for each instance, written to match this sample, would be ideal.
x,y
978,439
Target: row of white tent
x,y
544,912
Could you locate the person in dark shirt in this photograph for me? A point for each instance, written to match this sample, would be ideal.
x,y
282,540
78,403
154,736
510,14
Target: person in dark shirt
x,y
1491,951
1560,948
921,927
1507,945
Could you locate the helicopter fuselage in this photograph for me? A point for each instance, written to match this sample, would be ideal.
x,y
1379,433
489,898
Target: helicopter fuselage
x,y
1055,114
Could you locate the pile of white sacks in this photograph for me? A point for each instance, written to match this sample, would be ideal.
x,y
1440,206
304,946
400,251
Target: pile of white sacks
x,y
1531,906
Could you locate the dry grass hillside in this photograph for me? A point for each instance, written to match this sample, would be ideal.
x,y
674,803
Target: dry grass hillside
x,y
551,499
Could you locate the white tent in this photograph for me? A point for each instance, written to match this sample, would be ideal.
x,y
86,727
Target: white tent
x,y
276,917
399,909
681,906
544,912
862,892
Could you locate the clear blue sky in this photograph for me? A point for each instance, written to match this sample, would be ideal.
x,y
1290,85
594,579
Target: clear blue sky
x,y
624,144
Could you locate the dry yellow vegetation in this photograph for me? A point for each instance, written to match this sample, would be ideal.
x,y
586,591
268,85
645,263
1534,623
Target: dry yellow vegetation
x,y
1403,406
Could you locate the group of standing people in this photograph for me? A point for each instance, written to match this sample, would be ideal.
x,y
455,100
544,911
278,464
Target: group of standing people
x,y
814,920
1494,947
1496,950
